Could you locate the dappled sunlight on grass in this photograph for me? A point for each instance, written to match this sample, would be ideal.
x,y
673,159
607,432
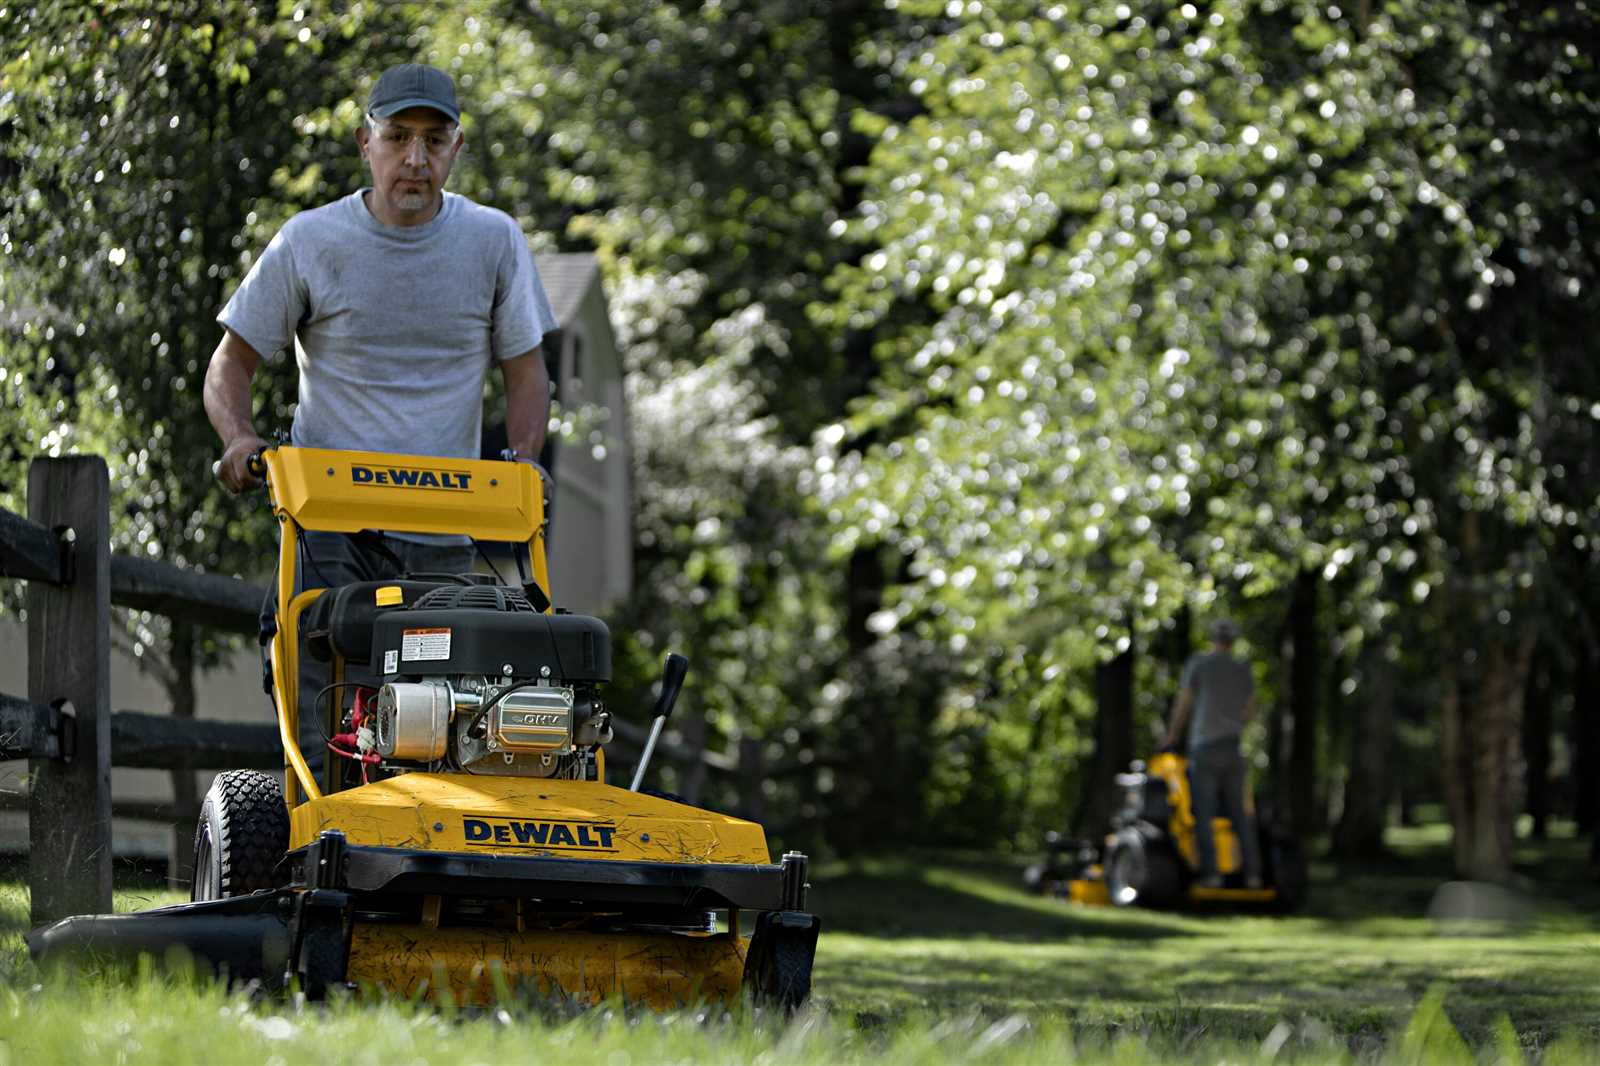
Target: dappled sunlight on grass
x,y
936,959
903,933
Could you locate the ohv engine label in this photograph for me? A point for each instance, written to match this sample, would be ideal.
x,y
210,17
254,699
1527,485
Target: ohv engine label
x,y
518,833
420,645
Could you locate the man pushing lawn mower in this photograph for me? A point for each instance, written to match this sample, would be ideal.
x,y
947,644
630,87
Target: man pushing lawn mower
x,y
394,300
1216,700
1184,834
462,830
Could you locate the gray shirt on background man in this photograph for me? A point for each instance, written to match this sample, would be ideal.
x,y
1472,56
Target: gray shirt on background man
x,y
1222,687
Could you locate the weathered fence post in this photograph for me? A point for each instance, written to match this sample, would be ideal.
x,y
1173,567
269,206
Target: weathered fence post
x,y
69,659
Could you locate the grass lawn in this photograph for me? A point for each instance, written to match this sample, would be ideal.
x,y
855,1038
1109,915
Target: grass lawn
x,y
944,958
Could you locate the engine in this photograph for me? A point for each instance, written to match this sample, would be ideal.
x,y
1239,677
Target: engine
x,y
476,679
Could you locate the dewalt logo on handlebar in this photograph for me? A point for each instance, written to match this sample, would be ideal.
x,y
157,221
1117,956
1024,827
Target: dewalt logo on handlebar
x,y
411,477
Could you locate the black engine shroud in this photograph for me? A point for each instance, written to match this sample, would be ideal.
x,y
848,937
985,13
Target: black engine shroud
x,y
444,629
416,643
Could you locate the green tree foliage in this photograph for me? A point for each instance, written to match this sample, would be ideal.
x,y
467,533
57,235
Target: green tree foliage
x,y
150,151
970,345
712,139
705,157
1178,299
724,546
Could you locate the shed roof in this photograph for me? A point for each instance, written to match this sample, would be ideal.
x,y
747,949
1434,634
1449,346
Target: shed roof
x,y
567,277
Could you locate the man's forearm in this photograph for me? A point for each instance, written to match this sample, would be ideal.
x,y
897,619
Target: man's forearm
x,y
527,403
227,399
227,390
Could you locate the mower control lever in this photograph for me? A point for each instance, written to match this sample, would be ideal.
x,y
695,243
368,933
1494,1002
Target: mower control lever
x,y
673,672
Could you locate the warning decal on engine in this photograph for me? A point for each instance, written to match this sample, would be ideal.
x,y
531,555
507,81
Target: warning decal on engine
x,y
420,645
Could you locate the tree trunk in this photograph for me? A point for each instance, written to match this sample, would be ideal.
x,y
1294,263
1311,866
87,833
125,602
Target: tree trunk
x,y
1585,736
1113,745
882,779
1480,734
1369,784
1335,738
1303,690
1536,724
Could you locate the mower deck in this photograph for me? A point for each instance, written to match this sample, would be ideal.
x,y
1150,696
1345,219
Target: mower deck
x,y
661,970
401,921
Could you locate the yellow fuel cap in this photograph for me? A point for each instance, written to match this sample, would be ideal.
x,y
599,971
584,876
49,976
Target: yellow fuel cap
x,y
389,596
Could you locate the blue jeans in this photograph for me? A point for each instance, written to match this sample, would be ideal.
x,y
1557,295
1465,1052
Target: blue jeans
x,y
328,560
1217,775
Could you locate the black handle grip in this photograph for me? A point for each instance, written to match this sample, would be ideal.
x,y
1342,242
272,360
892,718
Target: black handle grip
x,y
673,671
255,464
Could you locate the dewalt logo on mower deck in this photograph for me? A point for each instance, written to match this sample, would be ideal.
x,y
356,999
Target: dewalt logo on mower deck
x,y
411,477
520,833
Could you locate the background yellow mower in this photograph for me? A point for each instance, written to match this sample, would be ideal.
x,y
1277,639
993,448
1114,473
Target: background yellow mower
x,y
460,829
1150,857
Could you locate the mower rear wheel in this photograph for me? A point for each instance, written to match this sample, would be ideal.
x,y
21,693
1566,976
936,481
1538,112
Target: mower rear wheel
x,y
242,835
1141,871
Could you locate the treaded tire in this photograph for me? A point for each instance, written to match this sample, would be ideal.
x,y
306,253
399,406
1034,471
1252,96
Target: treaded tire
x,y
791,970
777,968
242,836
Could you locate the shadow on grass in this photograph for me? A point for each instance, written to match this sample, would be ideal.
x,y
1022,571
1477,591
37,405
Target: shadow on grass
x,y
905,899
1552,876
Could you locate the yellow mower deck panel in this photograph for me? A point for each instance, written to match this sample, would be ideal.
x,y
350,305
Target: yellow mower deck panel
x,y
661,970
527,817
1091,891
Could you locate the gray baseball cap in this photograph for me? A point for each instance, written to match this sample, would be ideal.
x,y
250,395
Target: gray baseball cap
x,y
413,85
1224,631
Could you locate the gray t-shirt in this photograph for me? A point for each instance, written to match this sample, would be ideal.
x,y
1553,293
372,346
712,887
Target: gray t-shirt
x,y
393,327
1222,689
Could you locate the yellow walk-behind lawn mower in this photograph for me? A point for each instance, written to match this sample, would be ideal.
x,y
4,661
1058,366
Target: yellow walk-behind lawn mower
x,y
460,832
1150,857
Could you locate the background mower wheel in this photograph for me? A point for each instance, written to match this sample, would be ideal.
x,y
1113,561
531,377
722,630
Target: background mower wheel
x,y
242,836
1141,871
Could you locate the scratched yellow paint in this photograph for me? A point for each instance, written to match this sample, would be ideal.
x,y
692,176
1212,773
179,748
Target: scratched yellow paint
x,y
430,812
662,970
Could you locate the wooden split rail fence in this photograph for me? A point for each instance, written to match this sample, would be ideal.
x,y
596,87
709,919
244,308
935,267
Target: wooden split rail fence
x,y
65,727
